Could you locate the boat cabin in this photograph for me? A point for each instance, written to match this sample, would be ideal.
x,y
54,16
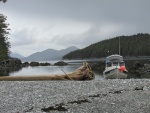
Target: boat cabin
x,y
114,61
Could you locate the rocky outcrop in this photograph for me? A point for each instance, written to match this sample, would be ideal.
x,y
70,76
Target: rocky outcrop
x,y
140,69
61,63
99,66
11,63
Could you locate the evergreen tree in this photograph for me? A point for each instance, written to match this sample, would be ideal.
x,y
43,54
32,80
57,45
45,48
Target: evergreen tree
x,y
3,1
4,43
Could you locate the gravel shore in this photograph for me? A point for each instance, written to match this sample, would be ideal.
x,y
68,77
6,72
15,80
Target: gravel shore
x,y
97,96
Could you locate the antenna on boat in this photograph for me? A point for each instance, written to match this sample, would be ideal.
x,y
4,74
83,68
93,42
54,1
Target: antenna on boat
x,y
108,52
119,45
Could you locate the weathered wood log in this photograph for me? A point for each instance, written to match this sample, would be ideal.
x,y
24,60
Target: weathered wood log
x,y
82,73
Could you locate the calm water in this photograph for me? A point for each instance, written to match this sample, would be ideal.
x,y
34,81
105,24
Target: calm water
x,y
73,65
45,70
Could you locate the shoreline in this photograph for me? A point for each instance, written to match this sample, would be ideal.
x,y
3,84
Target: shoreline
x,y
117,95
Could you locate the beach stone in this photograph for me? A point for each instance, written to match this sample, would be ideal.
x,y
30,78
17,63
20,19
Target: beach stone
x,y
95,96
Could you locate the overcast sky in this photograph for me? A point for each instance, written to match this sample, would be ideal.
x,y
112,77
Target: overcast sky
x,y
37,25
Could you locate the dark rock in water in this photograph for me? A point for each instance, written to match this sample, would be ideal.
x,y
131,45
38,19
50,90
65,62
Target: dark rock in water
x,y
34,64
100,66
6,71
25,64
61,63
45,64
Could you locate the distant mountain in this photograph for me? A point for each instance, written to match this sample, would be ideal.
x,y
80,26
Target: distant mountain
x,y
49,54
134,45
16,55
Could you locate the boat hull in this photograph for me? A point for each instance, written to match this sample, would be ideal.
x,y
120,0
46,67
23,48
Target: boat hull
x,y
115,74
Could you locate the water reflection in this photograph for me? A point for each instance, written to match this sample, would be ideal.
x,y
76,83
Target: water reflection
x,y
44,70
7,71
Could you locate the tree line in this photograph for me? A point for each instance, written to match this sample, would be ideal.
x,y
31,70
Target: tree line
x,y
134,45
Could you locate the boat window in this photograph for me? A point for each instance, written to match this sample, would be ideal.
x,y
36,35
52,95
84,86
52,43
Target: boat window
x,y
115,63
109,64
122,63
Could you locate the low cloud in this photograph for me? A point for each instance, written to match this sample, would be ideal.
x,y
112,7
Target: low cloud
x,y
59,24
22,37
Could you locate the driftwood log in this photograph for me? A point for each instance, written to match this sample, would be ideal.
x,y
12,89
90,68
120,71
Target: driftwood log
x,y
82,73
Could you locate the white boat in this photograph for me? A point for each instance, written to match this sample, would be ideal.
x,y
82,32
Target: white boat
x,y
115,68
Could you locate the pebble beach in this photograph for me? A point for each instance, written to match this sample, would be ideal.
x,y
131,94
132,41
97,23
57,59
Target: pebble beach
x,y
96,96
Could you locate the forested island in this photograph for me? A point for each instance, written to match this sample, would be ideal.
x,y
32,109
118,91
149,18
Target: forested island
x,y
134,45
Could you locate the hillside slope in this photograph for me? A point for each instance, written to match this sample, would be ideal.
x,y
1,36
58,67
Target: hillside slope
x,y
16,55
135,45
